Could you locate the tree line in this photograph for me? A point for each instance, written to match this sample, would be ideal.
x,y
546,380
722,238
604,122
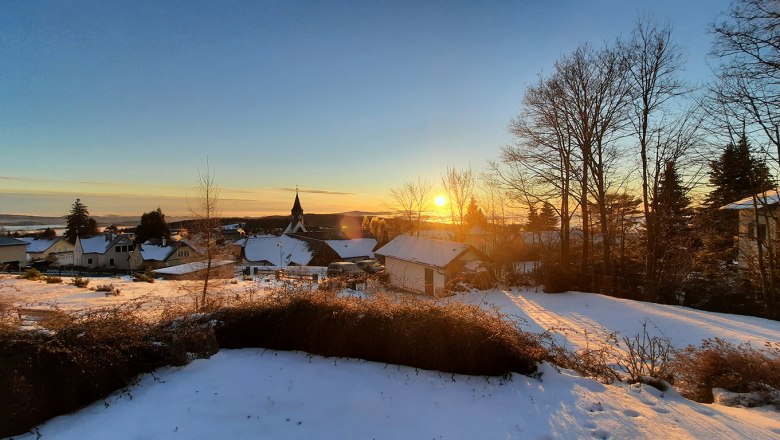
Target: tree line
x,y
634,165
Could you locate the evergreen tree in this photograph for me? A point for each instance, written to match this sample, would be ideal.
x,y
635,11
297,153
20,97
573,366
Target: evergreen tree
x,y
79,223
474,214
736,174
152,225
547,218
672,220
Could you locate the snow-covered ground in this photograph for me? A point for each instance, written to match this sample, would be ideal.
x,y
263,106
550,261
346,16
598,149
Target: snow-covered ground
x,y
242,394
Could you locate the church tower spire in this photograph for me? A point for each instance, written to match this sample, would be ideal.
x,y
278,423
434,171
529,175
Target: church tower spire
x,y
296,217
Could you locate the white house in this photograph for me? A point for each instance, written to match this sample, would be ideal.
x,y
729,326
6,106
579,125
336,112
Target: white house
x,y
55,249
759,222
426,265
12,251
106,251
166,254
354,249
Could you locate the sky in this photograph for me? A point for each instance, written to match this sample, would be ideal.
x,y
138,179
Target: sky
x,y
123,104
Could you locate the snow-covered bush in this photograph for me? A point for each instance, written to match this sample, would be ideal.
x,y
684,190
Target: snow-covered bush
x,y
79,281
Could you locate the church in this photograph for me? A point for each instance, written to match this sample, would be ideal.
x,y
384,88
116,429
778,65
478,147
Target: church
x,y
299,246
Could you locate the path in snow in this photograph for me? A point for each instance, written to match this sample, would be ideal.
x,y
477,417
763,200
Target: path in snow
x,y
591,314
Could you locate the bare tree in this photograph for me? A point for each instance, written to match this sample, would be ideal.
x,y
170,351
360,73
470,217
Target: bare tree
x,y
459,186
410,201
655,63
595,94
205,209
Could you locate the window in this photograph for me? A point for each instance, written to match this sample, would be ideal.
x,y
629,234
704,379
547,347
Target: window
x,y
89,260
118,249
762,232
111,262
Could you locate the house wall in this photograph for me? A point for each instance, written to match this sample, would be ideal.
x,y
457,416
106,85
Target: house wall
x,y
13,253
767,226
411,276
60,252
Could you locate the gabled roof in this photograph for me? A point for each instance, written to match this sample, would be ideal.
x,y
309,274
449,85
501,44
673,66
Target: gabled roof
x,y
437,253
154,252
98,244
6,241
767,198
357,247
266,248
37,245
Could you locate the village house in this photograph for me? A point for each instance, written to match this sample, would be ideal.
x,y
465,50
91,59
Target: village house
x,y
58,250
104,251
425,265
759,222
12,251
155,254
299,247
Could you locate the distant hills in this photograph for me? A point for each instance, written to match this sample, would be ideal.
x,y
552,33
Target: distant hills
x,y
119,220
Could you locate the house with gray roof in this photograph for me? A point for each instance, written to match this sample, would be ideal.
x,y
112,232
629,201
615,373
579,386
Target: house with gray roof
x,y
12,251
104,251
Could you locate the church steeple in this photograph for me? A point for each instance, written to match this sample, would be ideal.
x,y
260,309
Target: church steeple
x,y
296,219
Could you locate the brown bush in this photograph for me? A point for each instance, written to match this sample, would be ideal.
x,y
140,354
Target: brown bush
x,y
720,364
455,338
52,280
31,274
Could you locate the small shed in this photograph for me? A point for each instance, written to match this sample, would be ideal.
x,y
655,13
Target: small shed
x,y
425,265
222,269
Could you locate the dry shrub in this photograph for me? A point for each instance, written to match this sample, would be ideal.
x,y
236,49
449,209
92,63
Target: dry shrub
x,y
720,364
52,280
594,362
455,338
78,281
109,289
86,357
9,318
142,277
31,274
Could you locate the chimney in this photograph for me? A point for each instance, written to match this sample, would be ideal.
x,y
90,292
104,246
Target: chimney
x,y
107,236
164,241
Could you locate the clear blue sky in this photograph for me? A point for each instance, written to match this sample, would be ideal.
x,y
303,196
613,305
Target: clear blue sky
x,y
121,103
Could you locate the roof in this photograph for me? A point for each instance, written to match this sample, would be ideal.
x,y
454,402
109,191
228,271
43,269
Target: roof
x,y
763,199
7,241
152,252
183,269
357,247
266,248
37,245
437,253
97,244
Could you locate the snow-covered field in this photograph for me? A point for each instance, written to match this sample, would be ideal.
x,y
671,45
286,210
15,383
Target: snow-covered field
x,y
243,394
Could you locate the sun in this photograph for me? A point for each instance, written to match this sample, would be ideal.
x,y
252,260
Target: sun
x,y
440,200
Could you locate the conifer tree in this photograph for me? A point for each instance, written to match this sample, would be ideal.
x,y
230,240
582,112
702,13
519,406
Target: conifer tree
x,y
152,225
736,174
79,223
474,214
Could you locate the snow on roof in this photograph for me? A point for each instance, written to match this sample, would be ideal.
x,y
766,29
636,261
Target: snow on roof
x,y
6,241
98,244
183,269
357,247
763,199
266,248
438,253
36,245
152,252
